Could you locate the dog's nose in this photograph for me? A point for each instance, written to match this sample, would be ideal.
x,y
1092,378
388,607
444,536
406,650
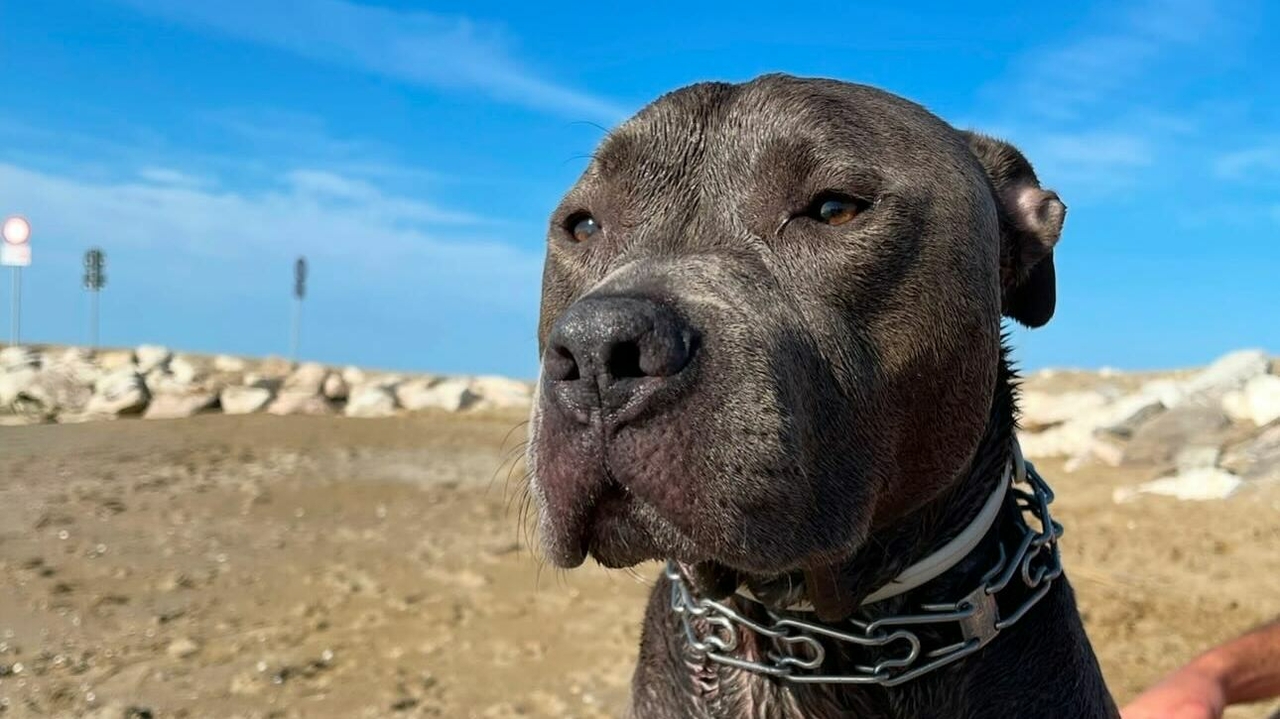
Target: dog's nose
x,y
609,345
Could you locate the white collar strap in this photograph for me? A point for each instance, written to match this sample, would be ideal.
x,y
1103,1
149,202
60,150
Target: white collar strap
x,y
797,647
949,554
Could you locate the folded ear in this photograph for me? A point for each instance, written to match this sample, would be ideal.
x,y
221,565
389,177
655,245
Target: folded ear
x,y
1030,225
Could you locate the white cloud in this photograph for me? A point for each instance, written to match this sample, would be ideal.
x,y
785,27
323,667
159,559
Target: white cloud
x,y
380,237
1092,110
169,176
1249,163
1066,80
416,47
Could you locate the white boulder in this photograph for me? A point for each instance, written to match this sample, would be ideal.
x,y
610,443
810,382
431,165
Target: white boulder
x,y
227,363
150,357
1258,401
121,392
174,405
13,382
18,357
1201,484
292,401
1039,410
244,400
335,387
309,378
111,360
1229,372
450,394
370,401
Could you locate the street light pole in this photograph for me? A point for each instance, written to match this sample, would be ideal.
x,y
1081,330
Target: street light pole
x,y
95,279
15,250
299,292
15,323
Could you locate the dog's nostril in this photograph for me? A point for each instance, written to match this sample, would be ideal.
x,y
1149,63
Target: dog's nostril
x,y
561,365
624,361
570,371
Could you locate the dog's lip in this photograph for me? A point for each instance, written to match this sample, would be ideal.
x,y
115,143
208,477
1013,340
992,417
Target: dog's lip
x,y
612,534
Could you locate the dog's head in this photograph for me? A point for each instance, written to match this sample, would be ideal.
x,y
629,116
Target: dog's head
x,y
771,322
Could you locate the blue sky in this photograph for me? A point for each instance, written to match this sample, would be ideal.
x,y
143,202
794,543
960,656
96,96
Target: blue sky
x,y
412,152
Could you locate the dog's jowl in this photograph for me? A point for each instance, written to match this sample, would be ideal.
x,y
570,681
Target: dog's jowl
x,y
771,338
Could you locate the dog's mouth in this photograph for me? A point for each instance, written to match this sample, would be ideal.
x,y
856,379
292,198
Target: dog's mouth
x,y
614,527
612,533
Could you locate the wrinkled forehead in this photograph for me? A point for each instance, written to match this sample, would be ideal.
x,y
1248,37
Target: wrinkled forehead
x,y
786,128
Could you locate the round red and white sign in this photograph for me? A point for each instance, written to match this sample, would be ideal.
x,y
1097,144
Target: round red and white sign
x,y
17,231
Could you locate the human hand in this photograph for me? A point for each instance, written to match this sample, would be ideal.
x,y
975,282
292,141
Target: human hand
x,y
1189,693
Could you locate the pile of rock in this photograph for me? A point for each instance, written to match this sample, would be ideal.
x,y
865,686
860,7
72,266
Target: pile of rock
x,y
75,385
1207,433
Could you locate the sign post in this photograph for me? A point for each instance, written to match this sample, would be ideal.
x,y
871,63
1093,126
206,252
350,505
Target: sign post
x,y
299,292
95,261
15,251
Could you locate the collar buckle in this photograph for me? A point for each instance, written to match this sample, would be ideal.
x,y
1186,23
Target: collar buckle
x,y
981,623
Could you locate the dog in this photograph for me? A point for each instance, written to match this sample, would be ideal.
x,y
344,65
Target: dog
x,y
773,353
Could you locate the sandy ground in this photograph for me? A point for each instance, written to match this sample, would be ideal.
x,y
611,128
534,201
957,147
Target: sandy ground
x,y
323,567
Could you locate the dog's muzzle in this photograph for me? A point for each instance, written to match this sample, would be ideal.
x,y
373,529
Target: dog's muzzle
x,y
795,652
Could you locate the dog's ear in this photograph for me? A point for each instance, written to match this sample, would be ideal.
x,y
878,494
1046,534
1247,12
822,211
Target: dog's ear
x,y
1030,224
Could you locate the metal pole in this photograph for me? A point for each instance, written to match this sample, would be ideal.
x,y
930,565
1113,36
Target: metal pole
x,y
93,320
296,335
15,329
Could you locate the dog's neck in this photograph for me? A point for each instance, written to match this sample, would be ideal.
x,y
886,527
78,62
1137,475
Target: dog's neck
x,y
725,691
891,549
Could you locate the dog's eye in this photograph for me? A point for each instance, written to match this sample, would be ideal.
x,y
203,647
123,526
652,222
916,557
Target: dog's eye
x,y
835,209
582,226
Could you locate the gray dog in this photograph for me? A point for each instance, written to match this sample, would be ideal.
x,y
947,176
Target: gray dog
x,y
771,338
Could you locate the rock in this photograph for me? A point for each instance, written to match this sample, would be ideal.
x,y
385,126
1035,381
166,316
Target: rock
x,y
161,381
1196,457
1076,437
182,648
1257,402
183,369
1196,484
275,367
1257,458
150,357
1158,441
353,376
77,363
1097,450
291,401
335,387
121,392
229,364
57,388
1040,410
13,358
370,401
174,406
308,378
1229,372
450,394
13,382
253,379
1122,419
245,400
494,392
111,360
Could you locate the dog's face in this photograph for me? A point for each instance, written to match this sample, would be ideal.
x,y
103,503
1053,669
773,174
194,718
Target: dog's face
x,y
771,321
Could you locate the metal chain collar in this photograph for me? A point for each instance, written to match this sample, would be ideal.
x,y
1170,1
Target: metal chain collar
x,y
794,652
